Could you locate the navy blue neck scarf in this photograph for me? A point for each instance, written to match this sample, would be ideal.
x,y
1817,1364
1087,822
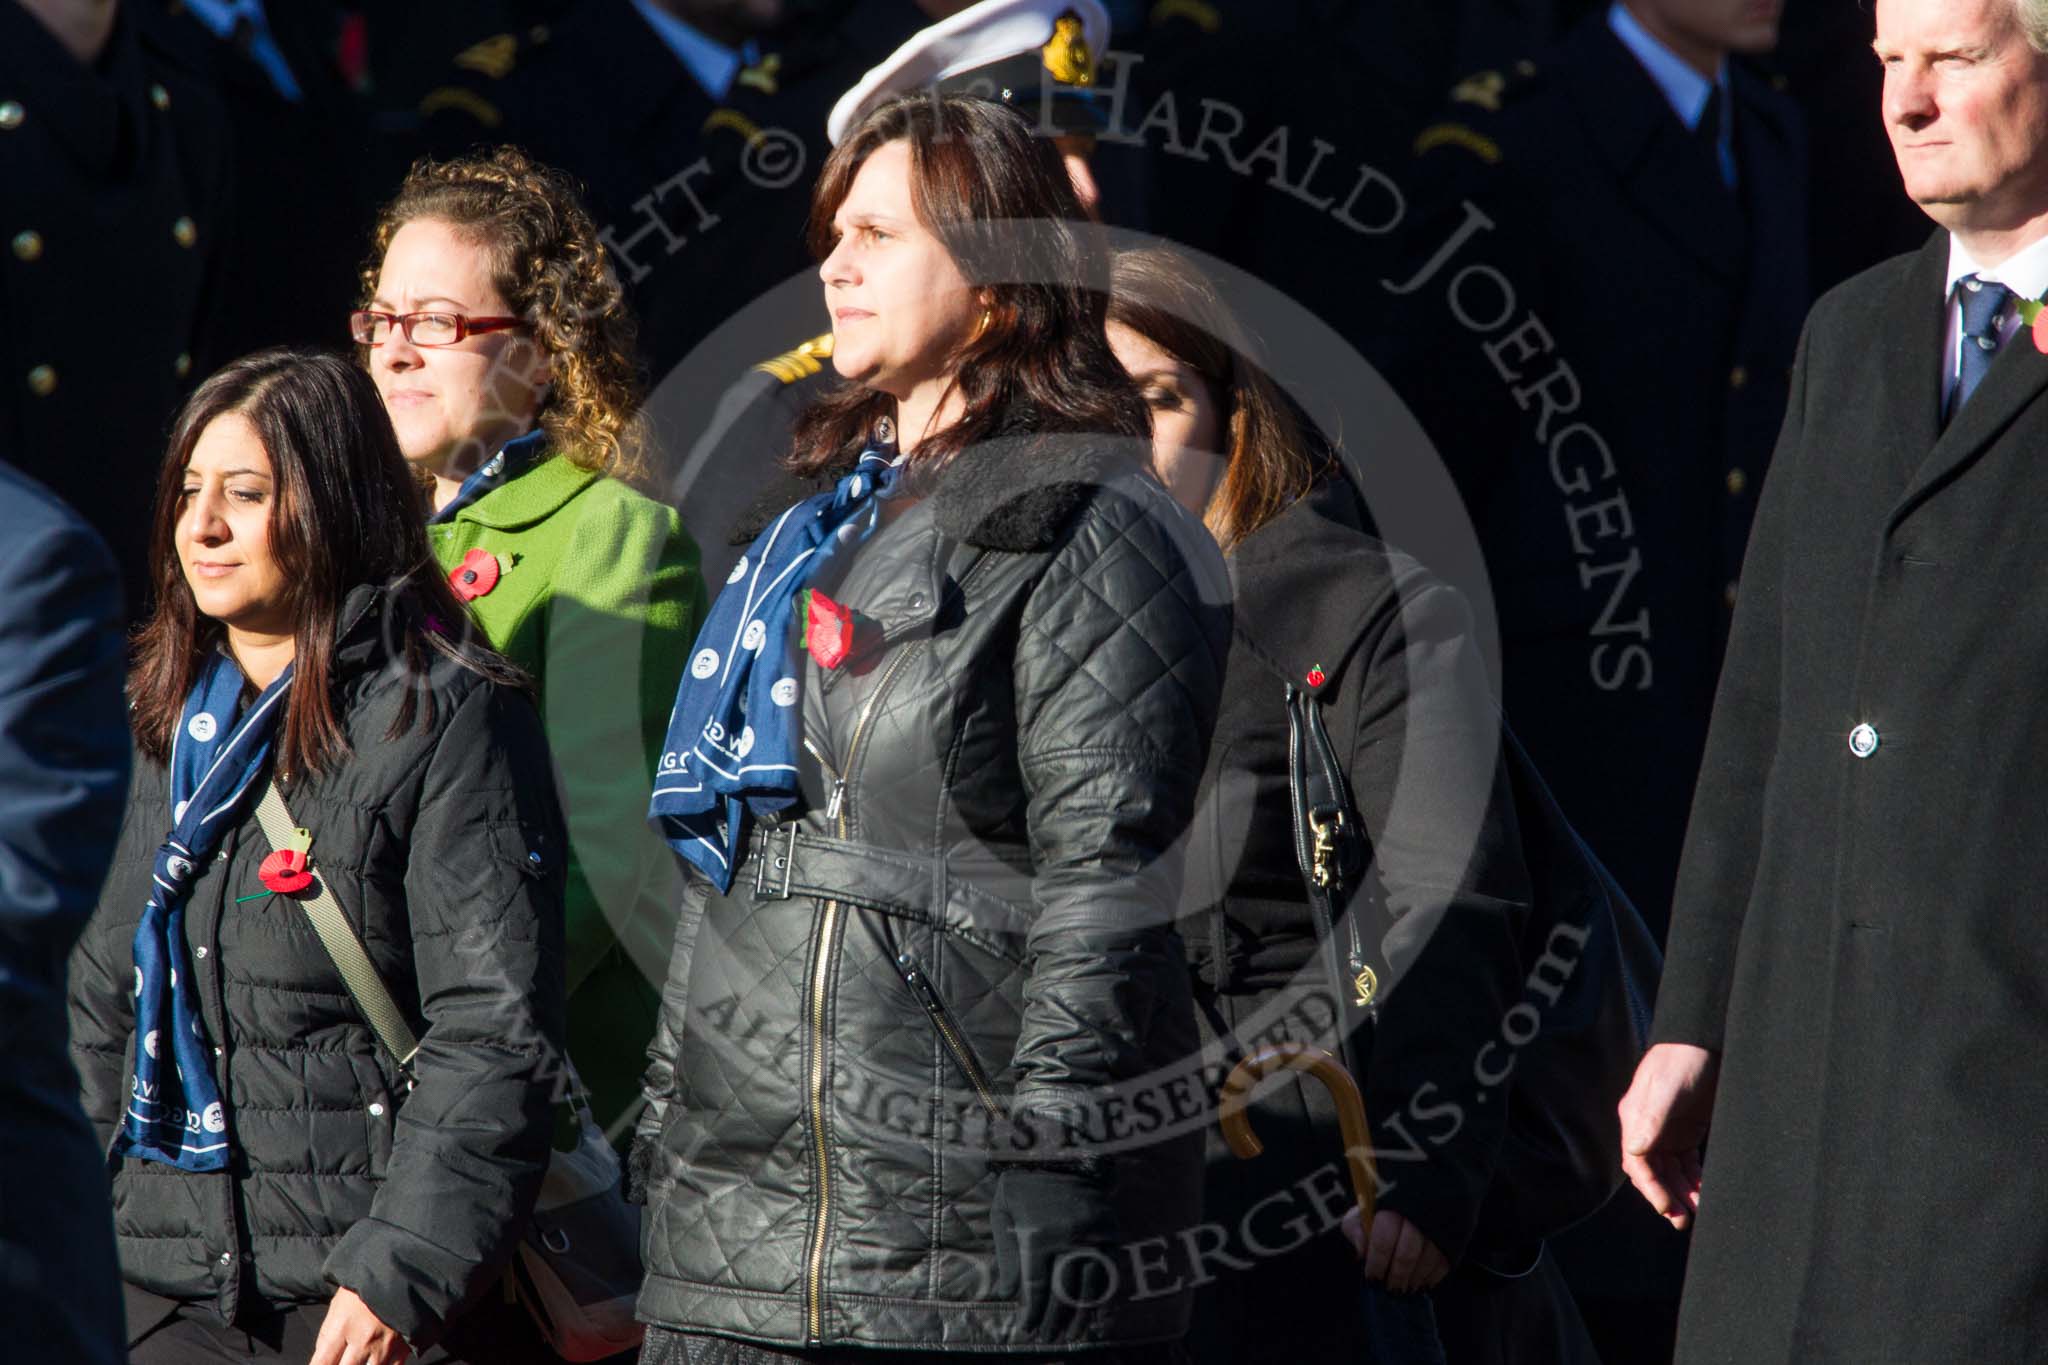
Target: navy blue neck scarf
x,y
515,459
174,1112
734,734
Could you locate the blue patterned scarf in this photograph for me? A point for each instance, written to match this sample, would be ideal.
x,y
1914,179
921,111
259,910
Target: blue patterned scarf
x,y
175,1113
515,459
734,734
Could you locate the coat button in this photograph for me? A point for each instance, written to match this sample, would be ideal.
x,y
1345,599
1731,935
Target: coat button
x,y
200,951
184,232
376,1111
1737,377
28,246
1737,481
1863,741
42,381
160,97
1728,594
11,116
182,366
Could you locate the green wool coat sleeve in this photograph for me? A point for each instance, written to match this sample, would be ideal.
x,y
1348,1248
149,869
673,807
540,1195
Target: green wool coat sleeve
x,y
626,600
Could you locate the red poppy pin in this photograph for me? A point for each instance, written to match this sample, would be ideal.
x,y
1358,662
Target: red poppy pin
x,y
477,574
1316,676
828,629
2034,312
285,872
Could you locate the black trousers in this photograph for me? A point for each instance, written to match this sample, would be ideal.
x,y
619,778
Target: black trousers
x,y
170,1332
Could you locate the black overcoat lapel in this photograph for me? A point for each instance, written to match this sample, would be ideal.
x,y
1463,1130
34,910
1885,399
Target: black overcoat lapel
x,y
2016,379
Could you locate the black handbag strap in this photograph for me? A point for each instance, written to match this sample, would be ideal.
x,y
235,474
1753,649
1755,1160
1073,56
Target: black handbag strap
x,y
1330,847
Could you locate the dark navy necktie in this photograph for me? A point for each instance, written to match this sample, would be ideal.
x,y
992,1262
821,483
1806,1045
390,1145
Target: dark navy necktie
x,y
1984,303
1715,132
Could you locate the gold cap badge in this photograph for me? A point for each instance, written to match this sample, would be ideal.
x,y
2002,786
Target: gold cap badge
x,y
1066,53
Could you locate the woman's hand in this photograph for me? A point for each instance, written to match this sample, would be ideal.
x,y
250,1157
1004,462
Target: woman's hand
x,y
1396,1253
352,1335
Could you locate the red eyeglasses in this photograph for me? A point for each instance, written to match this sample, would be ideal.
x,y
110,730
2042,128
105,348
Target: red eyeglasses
x,y
423,329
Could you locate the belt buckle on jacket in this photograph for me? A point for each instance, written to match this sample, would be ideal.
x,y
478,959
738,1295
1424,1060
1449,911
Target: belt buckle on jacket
x,y
782,864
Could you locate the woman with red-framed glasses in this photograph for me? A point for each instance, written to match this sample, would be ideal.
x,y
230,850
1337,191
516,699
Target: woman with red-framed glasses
x,y
499,339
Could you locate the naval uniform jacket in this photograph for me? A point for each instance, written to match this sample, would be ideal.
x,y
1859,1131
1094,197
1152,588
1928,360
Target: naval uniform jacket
x,y
1612,501
1857,928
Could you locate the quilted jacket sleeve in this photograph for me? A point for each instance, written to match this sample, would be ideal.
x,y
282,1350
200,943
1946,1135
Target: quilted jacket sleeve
x,y
484,890
644,1178
1118,675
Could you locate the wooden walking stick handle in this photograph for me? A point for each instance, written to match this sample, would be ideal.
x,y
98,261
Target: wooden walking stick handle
x,y
1237,1098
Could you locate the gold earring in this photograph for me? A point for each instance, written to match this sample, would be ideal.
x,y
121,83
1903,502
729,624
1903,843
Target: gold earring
x,y
988,315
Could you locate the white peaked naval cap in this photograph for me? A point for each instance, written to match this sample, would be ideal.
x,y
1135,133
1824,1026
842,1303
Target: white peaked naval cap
x,y
978,36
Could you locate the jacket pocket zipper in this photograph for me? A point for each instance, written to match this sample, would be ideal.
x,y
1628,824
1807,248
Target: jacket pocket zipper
x,y
838,812
949,1032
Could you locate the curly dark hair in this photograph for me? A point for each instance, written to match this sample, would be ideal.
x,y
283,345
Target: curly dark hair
x,y
550,266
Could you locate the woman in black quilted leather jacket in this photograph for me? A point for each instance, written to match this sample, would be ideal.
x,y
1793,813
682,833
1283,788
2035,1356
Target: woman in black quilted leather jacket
x,y
898,1099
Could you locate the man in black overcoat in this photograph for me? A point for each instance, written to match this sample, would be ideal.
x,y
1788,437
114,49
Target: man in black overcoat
x,y
1855,1002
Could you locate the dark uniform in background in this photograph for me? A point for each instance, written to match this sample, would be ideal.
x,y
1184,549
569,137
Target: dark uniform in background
x,y
702,196
305,173
1861,214
1604,370
731,465
1267,136
112,218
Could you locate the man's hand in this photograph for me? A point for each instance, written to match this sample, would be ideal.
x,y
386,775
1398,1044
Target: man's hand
x,y
351,1334
1663,1122
1396,1252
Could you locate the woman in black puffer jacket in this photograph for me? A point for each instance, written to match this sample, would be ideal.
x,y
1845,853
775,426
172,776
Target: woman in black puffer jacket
x,y
932,961
282,1189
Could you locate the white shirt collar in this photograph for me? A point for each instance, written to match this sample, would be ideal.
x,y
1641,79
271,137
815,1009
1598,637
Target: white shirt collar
x,y
1685,88
2025,273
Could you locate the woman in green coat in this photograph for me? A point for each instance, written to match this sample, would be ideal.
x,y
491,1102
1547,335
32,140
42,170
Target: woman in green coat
x,y
498,337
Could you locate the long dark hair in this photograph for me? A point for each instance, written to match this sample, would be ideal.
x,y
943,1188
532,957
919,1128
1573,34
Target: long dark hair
x,y
1274,453
1000,200
346,513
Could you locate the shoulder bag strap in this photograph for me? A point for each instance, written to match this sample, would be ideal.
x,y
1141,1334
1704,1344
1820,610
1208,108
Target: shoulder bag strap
x,y
358,973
